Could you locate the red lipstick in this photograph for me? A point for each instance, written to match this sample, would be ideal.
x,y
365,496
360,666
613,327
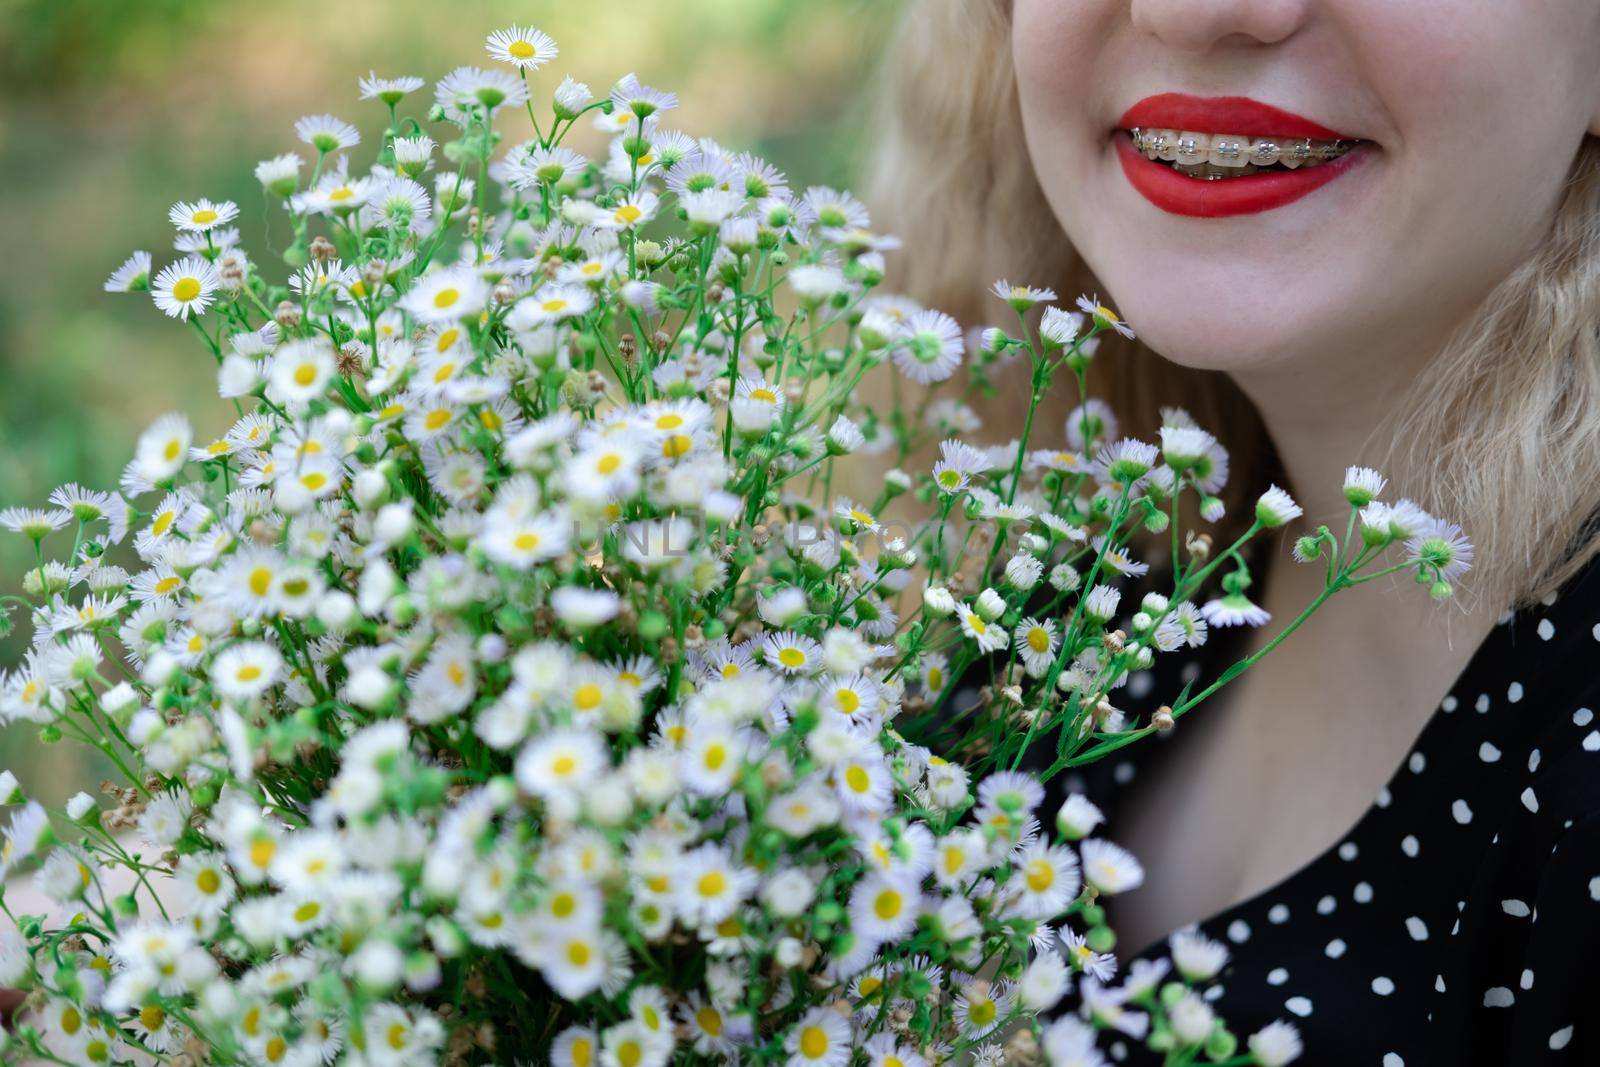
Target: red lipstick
x,y
1223,114
1180,194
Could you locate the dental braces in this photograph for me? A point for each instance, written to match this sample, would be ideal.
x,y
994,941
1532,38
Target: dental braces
x,y
1189,152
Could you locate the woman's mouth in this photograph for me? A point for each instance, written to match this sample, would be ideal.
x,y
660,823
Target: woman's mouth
x,y
1184,155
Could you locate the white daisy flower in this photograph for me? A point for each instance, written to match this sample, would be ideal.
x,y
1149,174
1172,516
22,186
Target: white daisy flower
x,y
202,215
1276,507
1104,316
326,133
186,287
132,276
929,348
446,295
820,1039
561,762
1037,642
1197,957
245,671
1110,868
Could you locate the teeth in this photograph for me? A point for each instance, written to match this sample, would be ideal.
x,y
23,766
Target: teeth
x,y
1223,155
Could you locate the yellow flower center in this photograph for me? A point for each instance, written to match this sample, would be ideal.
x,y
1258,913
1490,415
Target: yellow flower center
x,y
587,696
1041,876
813,1042
186,289
204,215
446,298
1038,639
887,904
521,50
791,657
712,884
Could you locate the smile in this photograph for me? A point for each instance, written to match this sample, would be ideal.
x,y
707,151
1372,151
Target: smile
x,y
1187,156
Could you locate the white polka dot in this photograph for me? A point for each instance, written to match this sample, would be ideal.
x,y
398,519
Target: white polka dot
x,y
1591,743
1515,908
1325,906
1533,761
1238,931
1278,913
1498,997
1382,986
1527,979
1449,703
1481,705
1488,753
1546,629
1417,762
1410,845
1140,683
1391,1059
1461,811
1123,773
1362,893
1384,797
1417,929
1582,717
1438,983
1530,801
1347,851
1299,1005
1514,692
1559,1039
1190,672
1213,993
1335,949
1594,888
1277,976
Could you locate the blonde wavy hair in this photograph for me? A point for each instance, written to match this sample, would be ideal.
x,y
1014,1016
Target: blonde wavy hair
x,y
1507,422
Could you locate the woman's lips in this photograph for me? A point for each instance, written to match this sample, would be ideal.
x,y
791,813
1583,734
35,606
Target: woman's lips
x,y
1252,194
1224,114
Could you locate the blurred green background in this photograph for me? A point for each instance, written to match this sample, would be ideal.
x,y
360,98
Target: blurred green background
x,y
111,111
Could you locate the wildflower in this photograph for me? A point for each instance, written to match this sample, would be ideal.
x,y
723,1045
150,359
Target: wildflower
x,y
34,523
1362,485
1197,957
1275,1044
132,276
1104,316
1037,642
280,175
1233,608
561,762
186,287
301,370
989,637
1109,868
1440,550
326,133
1077,818
389,91
446,296
1022,297
1048,879
202,215
820,1039
1275,508
930,347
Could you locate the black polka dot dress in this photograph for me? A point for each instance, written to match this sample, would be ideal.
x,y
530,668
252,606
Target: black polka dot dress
x,y
1458,921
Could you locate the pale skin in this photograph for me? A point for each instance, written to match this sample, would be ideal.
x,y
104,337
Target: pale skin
x,y
1322,316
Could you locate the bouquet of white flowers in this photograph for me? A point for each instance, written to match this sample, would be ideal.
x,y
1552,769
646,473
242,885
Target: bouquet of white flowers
x,y
504,686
